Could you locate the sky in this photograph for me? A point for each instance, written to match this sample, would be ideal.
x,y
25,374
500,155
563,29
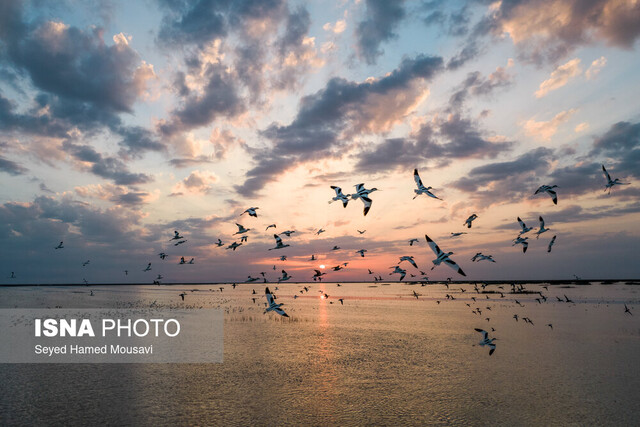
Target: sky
x,y
124,121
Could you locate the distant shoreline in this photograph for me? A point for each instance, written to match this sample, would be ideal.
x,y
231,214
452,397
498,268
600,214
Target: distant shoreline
x,y
581,282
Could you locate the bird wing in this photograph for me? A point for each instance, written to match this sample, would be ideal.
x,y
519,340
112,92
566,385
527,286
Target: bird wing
x,y
606,174
434,247
554,196
416,177
367,204
359,187
280,311
412,262
278,240
451,263
541,222
338,190
522,224
483,332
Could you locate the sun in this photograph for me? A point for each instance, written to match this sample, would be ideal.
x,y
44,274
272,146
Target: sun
x,y
322,266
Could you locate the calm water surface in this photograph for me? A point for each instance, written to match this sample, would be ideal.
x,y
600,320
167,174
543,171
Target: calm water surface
x,y
384,357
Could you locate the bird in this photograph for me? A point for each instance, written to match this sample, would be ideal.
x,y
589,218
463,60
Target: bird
x,y
59,246
566,298
251,212
320,231
182,295
549,190
523,226
313,257
270,226
470,220
288,233
241,229
182,261
279,244
335,248
344,198
284,276
550,325
271,304
341,301
553,240
483,257
458,234
361,252
179,242
611,182
337,268
162,255
219,243
523,242
176,236
13,275
191,261
399,271
84,264
626,310
486,341
542,229
421,188
415,294
442,257
363,194
318,274
409,259
361,232
234,245
412,241
148,268
283,258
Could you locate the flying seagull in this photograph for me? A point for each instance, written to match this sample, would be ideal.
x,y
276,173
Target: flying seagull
x,y
553,240
361,252
162,255
284,276
409,259
241,229
59,246
523,226
549,190
626,310
541,229
470,220
251,212
399,271
361,232
458,234
339,196
219,243
271,304
176,236
442,257
421,188
270,226
148,267
523,242
234,245
279,244
486,341
611,182
412,241
363,194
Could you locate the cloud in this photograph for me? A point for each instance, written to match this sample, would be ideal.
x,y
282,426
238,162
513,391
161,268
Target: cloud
x,y
219,98
507,181
545,130
341,109
378,26
546,30
11,167
595,68
621,144
196,183
119,195
581,127
477,85
559,77
105,167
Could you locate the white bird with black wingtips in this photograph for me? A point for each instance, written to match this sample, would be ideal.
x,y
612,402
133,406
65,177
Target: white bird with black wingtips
x,y
251,211
521,241
279,244
241,229
363,194
523,226
549,189
470,220
487,341
271,304
442,257
542,229
421,188
611,182
344,198
553,240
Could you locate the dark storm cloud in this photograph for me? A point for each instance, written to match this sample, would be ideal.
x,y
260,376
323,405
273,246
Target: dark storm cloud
x,y
323,116
220,98
549,30
11,167
622,144
103,166
466,141
136,140
379,24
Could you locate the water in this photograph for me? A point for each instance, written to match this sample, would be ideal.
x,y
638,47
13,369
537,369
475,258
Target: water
x,y
384,357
